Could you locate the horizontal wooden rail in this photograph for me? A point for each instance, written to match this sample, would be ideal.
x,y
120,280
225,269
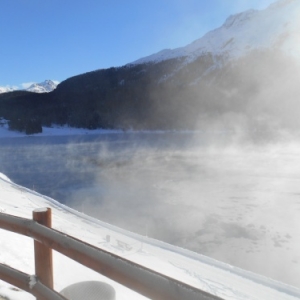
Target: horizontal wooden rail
x,y
28,283
138,278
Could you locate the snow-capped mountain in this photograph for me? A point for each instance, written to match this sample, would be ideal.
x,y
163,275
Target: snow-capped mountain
x,y
43,87
278,26
5,89
250,64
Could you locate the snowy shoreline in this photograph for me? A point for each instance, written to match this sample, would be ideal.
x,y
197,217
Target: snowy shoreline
x,y
65,131
210,275
55,131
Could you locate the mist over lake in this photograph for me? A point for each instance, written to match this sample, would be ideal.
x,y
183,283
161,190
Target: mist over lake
x,y
236,202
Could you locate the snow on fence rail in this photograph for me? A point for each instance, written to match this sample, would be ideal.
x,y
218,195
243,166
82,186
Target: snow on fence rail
x,y
138,278
28,283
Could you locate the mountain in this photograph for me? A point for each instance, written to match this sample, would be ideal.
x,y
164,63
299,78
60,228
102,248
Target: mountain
x,y
46,86
225,79
275,27
4,89
241,77
43,87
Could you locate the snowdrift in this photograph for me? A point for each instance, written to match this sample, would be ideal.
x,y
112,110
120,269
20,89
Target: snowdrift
x,y
196,270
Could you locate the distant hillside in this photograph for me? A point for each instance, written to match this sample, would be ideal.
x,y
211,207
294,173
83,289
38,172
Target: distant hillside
x,y
6,89
42,87
255,91
219,82
252,91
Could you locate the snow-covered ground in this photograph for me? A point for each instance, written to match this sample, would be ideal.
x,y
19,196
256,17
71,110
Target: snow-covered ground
x,y
54,131
210,275
197,270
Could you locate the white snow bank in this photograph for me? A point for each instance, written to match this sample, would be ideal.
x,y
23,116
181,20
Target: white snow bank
x,y
55,131
4,177
197,270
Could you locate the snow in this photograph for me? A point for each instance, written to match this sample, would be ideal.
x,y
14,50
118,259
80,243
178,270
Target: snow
x,y
32,281
5,89
39,210
43,87
238,35
4,177
53,131
56,130
278,27
197,270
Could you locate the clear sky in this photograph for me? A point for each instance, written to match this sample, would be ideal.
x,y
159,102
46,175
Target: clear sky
x,y
57,39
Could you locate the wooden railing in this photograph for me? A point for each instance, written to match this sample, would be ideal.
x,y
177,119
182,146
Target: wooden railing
x,y
135,277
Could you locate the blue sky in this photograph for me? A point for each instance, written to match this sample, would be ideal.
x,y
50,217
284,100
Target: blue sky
x,y
57,39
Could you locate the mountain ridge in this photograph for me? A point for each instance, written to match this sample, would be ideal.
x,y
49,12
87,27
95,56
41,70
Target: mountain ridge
x,y
244,79
6,89
230,39
46,86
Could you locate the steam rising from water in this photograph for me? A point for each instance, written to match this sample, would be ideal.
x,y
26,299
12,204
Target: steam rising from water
x,y
230,191
238,203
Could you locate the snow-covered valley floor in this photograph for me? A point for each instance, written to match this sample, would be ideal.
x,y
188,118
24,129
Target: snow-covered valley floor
x,y
210,275
197,270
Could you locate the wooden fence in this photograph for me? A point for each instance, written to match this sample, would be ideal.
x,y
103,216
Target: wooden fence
x,y
136,277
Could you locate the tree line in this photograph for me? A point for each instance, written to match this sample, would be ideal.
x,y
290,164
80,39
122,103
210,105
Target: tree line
x,y
172,94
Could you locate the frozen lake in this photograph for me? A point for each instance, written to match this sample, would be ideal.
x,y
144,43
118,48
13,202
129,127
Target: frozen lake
x,y
238,204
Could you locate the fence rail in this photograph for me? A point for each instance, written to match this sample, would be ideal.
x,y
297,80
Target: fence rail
x,y
28,283
136,277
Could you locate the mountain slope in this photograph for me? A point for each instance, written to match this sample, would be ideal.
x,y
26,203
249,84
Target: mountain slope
x,y
4,89
239,77
43,87
46,86
275,27
197,270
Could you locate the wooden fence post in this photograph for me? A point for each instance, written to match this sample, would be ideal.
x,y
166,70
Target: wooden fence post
x,y
43,254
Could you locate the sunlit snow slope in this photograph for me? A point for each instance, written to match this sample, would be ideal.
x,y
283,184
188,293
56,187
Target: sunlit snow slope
x,y
5,89
207,274
42,87
276,27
